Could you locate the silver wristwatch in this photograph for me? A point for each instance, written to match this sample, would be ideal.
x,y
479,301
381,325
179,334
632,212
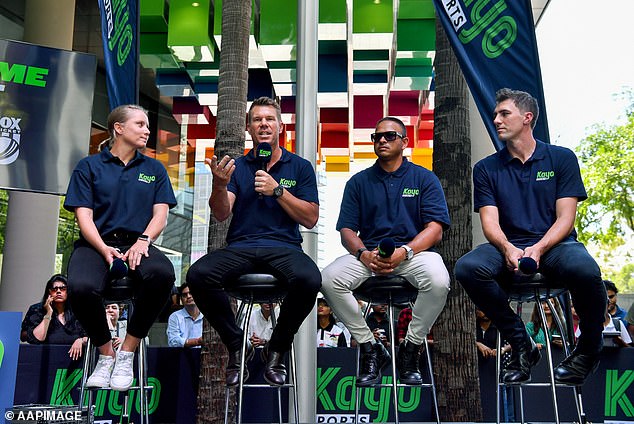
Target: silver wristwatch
x,y
410,252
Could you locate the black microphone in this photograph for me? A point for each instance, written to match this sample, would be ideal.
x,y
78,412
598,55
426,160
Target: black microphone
x,y
386,247
263,155
527,265
118,269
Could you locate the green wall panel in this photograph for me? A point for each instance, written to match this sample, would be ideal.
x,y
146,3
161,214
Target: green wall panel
x,y
332,11
371,17
278,22
416,34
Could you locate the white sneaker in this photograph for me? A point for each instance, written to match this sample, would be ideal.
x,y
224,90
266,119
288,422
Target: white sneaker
x,y
123,372
100,377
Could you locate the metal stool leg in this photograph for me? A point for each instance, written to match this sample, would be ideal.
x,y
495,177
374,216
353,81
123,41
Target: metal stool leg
x,y
143,383
498,384
549,354
390,307
243,356
432,380
88,362
294,386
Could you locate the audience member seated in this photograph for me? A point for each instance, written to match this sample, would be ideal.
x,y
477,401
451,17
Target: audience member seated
x,y
329,334
614,309
185,326
534,326
486,342
379,324
118,328
404,318
614,332
261,325
51,321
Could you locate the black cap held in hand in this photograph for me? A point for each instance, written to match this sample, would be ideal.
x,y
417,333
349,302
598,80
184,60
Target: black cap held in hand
x,y
386,247
527,266
118,268
263,154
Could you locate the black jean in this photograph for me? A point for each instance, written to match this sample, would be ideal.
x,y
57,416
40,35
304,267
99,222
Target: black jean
x,y
88,277
208,274
569,262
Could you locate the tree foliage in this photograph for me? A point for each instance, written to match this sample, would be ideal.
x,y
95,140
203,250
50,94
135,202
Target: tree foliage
x,y
606,218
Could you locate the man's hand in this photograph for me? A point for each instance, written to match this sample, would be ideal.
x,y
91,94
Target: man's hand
x,y
264,183
221,171
116,342
382,266
256,341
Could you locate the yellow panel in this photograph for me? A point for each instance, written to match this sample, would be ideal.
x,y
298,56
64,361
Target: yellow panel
x,y
423,156
337,163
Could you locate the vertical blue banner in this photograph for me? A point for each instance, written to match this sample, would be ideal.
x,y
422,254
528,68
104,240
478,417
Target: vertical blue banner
x,y
495,44
9,347
120,49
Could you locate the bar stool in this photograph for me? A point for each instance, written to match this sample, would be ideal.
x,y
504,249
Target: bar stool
x,y
118,290
393,290
251,289
537,288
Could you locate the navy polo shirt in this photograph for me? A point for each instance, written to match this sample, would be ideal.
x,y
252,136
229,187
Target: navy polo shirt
x,y
260,221
525,193
121,197
399,204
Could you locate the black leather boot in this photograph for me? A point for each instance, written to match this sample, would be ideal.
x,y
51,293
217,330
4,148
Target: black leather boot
x,y
233,367
274,370
407,363
518,370
576,368
373,357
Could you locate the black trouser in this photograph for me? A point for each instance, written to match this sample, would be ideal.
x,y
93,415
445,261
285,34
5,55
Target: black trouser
x,y
569,262
207,276
87,279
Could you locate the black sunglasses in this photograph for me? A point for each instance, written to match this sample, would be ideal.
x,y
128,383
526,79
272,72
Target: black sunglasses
x,y
58,288
388,135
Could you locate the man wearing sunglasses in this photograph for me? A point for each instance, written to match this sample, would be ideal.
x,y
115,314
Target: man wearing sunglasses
x,y
395,199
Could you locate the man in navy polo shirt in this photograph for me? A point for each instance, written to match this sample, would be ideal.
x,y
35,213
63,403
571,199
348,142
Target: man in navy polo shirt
x,y
394,199
527,196
268,202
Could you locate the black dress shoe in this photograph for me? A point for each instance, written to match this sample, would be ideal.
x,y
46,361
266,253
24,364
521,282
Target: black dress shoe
x,y
518,370
233,367
575,368
275,370
373,358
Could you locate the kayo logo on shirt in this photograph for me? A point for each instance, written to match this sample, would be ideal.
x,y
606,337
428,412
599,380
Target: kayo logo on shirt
x,y
287,183
410,192
146,178
544,175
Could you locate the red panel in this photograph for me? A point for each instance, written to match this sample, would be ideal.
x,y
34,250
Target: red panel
x,y
367,111
334,135
404,103
333,115
201,131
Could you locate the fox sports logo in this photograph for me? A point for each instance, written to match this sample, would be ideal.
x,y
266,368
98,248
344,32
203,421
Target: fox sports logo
x,y
9,139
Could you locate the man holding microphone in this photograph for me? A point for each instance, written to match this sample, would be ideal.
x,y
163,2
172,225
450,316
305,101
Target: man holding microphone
x,y
392,215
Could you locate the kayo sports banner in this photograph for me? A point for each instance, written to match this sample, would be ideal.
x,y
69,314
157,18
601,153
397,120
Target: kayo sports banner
x,y
495,44
119,36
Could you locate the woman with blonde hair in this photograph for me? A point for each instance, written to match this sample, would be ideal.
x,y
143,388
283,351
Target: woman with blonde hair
x,y
121,200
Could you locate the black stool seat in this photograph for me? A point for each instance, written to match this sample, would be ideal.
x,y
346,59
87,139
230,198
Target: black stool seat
x,y
386,288
119,290
257,288
526,288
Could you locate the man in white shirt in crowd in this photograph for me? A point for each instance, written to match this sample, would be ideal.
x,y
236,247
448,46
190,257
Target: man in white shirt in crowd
x,y
261,325
185,326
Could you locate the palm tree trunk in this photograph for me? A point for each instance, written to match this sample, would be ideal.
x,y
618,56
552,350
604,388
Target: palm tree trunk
x,y
455,355
231,124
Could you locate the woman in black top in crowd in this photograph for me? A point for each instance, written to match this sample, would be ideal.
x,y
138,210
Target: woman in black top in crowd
x,y
51,321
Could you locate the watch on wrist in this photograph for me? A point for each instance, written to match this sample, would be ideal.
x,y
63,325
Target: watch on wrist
x,y
409,252
359,253
145,237
278,191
